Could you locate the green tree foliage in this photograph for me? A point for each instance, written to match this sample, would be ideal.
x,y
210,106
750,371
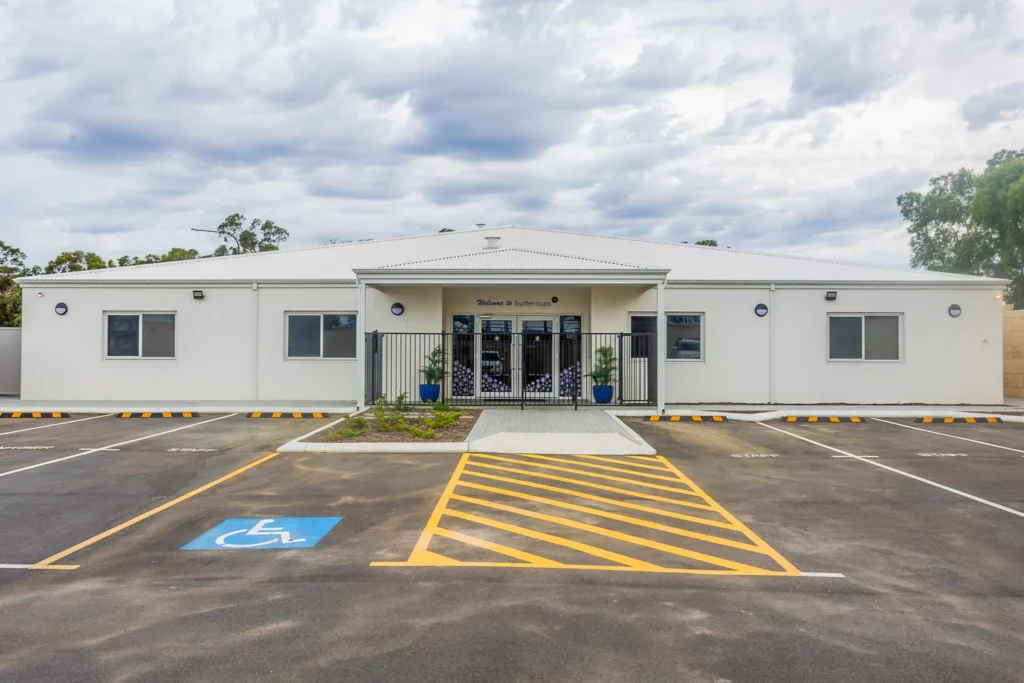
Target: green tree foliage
x,y
260,235
707,243
175,254
12,265
972,223
74,261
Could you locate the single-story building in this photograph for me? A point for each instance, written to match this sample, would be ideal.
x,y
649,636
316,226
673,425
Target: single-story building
x,y
514,316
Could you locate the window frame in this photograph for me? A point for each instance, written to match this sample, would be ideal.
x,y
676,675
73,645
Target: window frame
x,y
703,333
320,328
139,314
863,338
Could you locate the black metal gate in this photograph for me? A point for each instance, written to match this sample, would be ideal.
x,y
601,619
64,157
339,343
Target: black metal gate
x,y
515,368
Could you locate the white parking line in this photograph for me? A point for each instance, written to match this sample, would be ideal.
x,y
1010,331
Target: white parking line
x,y
15,566
56,424
905,474
951,436
114,445
823,575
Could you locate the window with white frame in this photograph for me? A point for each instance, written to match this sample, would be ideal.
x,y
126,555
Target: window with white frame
x,y
685,336
864,337
140,335
321,335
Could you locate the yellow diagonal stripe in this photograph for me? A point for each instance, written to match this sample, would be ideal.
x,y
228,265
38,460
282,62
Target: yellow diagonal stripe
x,y
636,521
620,462
601,499
598,475
606,468
554,540
496,547
592,485
628,538
771,552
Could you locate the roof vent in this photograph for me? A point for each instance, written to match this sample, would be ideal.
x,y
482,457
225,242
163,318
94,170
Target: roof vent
x,y
492,241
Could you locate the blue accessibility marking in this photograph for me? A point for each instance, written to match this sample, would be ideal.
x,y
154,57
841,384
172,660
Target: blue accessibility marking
x,y
257,533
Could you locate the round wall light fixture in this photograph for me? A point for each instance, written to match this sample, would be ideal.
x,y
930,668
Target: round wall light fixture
x,y
61,308
955,310
554,299
761,310
397,309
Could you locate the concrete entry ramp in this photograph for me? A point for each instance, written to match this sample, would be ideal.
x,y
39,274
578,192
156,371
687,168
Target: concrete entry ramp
x,y
555,432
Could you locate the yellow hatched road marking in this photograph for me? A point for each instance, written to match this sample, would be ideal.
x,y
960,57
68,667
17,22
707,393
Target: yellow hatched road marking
x,y
586,474
601,531
555,540
617,517
607,468
592,485
496,547
602,499
771,552
621,462
467,474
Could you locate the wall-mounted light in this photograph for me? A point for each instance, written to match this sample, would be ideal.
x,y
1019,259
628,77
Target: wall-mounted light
x,y
61,308
39,294
831,296
198,295
397,308
761,310
954,311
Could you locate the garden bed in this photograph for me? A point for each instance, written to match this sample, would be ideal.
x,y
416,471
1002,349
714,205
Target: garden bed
x,y
402,424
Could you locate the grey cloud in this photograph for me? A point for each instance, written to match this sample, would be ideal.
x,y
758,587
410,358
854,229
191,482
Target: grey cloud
x,y
1015,46
830,73
981,12
658,67
1004,103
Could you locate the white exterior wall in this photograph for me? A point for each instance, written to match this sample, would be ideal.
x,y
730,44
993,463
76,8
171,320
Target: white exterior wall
x,y
463,300
63,357
422,309
734,367
303,379
943,359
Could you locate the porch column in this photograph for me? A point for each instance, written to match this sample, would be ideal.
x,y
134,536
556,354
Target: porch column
x,y
361,345
662,328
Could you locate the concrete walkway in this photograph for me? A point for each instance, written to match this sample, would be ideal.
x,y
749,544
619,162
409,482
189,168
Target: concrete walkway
x,y
555,432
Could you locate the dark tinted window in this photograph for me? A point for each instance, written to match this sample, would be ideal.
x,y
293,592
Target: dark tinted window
x,y
844,337
123,335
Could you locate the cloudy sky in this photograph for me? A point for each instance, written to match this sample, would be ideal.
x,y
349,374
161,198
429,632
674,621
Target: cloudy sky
x,y
785,126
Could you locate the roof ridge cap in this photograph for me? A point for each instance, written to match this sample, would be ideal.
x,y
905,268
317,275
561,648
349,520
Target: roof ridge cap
x,y
519,249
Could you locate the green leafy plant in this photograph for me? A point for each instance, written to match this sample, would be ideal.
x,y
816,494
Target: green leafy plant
x,y
433,371
355,427
439,419
605,366
402,402
421,433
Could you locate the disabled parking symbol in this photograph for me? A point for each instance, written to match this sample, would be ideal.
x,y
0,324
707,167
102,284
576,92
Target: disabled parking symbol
x,y
264,533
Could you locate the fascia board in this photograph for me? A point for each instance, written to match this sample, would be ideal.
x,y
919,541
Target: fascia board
x,y
851,284
142,284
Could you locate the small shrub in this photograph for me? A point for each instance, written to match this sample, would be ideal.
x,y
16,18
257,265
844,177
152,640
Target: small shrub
x,y
418,433
402,402
356,427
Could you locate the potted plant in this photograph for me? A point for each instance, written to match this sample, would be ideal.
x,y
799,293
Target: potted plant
x,y
433,373
603,373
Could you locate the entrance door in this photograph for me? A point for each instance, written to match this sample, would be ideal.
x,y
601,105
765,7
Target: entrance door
x,y
496,354
518,357
537,356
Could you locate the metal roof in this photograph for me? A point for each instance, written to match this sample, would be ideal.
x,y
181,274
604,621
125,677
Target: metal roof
x,y
508,260
521,249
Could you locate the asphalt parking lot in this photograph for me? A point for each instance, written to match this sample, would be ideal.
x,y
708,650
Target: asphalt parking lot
x,y
743,552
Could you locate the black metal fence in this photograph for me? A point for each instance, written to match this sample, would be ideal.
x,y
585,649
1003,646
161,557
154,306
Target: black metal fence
x,y
513,368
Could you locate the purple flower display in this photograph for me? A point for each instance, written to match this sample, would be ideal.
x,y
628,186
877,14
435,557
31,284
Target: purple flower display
x,y
541,384
492,384
462,379
569,380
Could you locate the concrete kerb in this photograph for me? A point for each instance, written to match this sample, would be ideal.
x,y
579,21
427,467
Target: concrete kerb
x,y
486,445
769,415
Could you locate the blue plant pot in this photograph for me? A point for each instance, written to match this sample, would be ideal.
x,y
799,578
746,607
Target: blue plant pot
x,y
429,393
603,393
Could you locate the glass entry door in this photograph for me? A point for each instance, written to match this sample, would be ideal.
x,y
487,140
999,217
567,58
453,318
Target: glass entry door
x,y
496,354
518,356
537,356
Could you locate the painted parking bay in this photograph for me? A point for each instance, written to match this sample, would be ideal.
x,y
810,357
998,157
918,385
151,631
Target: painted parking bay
x,y
586,512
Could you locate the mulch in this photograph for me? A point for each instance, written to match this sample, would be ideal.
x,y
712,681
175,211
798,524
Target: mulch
x,y
457,432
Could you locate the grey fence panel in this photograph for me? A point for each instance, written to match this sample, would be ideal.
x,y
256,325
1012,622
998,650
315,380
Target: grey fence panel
x,y
10,361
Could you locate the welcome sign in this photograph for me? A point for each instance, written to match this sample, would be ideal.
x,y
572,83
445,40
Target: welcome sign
x,y
516,303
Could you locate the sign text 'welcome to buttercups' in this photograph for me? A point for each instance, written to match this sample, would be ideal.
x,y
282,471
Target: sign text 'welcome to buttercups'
x,y
516,303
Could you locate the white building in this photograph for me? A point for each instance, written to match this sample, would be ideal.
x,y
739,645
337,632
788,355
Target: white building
x,y
517,313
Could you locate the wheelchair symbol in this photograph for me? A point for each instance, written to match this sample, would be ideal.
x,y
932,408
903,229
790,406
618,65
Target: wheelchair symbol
x,y
260,529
